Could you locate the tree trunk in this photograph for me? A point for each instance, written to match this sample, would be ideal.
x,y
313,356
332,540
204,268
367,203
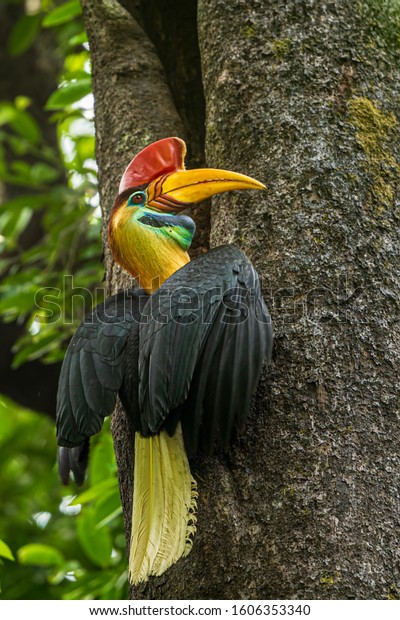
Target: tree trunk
x,y
302,96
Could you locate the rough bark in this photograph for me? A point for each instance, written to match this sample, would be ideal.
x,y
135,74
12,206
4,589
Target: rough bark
x,y
303,96
310,90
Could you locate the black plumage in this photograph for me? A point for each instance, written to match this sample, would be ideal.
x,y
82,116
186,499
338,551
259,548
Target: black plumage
x,y
192,351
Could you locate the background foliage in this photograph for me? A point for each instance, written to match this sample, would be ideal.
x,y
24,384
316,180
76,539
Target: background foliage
x,y
53,543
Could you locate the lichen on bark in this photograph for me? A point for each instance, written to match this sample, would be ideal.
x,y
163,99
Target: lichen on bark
x,y
375,130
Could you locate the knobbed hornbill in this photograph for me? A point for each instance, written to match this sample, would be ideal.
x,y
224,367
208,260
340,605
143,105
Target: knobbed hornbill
x,y
183,352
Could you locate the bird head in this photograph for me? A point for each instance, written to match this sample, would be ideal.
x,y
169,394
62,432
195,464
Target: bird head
x,y
157,179
146,228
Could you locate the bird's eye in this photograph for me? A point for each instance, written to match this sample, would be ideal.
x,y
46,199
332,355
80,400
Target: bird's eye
x,y
137,198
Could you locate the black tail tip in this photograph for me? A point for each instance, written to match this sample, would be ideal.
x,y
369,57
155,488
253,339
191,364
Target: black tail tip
x,y
73,460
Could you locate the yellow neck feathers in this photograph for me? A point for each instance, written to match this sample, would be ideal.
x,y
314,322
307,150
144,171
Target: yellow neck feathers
x,y
149,255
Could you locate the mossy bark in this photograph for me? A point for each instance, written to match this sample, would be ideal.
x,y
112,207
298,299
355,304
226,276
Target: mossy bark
x,y
303,96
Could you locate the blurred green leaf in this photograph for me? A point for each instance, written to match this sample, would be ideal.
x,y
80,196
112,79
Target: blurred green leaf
x,y
5,551
13,222
96,542
39,555
43,173
22,102
69,93
108,508
63,13
76,62
30,201
108,585
6,421
102,460
101,489
78,39
41,344
16,303
21,168
24,33
21,121
7,112
26,126
85,148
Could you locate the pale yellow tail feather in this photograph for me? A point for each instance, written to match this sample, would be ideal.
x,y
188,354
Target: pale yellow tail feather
x,y
164,505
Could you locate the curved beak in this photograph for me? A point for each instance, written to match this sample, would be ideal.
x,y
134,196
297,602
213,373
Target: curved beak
x,y
178,190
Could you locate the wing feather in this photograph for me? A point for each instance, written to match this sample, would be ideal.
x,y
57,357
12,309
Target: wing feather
x,y
202,349
93,372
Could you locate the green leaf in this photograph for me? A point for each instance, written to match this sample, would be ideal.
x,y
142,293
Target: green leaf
x,y
30,201
62,14
43,173
12,223
21,121
19,146
69,93
5,551
78,39
102,460
101,585
98,490
24,33
22,102
85,146
74,63
96,542
7,112
21,168
17,299
41,345
108,508
7,422
39,555
26,126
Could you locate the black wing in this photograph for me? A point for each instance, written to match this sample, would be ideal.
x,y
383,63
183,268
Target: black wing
x,y
207,334
92,374
201,340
